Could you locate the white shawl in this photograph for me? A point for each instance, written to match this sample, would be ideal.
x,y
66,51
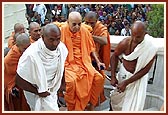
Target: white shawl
x,y
135,92
44,68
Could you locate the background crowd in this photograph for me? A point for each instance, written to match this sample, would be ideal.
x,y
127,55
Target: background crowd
x,y
117,17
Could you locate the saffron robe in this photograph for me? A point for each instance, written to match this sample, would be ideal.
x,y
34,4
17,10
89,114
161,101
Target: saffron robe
x,y
83,82
10,65
31,40
102,51
11,40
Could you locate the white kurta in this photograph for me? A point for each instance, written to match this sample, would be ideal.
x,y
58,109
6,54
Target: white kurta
x,y
43,68
133,98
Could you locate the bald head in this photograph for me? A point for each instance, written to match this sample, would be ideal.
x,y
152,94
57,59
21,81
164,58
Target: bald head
x,y
51,35
91,15
74,21
138,31
50,28
33,25
34,31
139,25
19,28
91,18
74,16
22,39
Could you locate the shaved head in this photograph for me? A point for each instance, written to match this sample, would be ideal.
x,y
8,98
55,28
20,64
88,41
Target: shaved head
x,y
91,15
91,18
35,30
74,15
51,35
138,31
139,25
33,25
22,39
50,28
19,28
74,21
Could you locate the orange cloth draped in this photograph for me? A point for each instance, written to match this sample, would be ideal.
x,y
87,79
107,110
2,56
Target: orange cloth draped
x,y
88,27
10,65
11,41
59,24
103,51
83,82
31,40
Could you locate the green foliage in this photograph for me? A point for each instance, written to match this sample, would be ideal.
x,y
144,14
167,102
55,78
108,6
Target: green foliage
x,y
156,21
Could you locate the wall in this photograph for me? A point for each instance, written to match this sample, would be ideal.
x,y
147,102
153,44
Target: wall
x,y
12,13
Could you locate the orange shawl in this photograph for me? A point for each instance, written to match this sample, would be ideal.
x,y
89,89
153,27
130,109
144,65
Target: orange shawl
x,y
10,66
31,40
59,24
87,45
103,51
11,40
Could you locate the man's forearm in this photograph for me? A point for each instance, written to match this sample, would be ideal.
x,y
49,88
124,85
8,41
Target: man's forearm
x,y
95,57
140,73
23,84
113,63
100,40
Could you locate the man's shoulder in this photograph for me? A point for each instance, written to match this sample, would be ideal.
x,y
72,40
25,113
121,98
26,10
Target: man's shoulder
x,y
126,39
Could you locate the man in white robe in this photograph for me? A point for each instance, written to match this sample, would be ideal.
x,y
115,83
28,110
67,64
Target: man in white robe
x,y
40,70
138,54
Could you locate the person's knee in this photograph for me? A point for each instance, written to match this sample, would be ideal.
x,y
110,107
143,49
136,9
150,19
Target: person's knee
x,y
99,78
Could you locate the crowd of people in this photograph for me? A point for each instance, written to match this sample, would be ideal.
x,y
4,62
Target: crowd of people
x,y
67,55
114,16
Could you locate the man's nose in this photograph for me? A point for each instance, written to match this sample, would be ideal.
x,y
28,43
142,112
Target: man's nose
x,y
55,43
39,32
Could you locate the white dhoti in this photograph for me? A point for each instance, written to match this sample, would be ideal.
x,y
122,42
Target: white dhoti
x,y
133,98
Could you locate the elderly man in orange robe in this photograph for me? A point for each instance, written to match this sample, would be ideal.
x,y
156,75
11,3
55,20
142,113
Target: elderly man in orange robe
x,y
34,31
18,28
83,82
13,96
102,41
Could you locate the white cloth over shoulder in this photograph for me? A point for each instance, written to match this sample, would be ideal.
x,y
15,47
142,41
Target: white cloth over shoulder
x,y
43,68
133,98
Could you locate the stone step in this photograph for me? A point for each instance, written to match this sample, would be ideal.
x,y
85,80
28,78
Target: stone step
x,y
152,109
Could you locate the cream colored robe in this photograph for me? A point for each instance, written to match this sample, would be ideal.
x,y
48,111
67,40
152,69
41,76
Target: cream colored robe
x,y
44,68
133,98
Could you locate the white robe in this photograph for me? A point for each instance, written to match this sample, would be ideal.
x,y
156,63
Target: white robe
x,y
133,98
43,68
